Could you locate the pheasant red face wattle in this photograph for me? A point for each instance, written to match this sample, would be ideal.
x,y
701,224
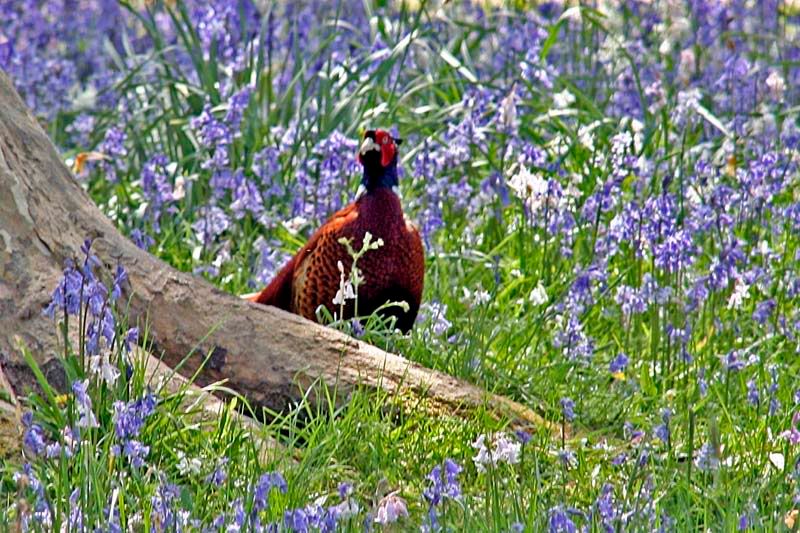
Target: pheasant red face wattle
x,y
388,149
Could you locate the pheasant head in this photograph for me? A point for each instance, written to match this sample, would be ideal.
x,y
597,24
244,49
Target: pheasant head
x,y
378,156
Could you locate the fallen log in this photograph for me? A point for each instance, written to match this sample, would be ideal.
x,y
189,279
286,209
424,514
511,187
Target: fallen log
x,y
268,356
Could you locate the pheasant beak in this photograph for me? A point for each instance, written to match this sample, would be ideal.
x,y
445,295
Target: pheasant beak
x,y
368,145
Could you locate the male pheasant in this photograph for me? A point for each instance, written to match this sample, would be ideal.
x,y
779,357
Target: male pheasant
x,y
392,273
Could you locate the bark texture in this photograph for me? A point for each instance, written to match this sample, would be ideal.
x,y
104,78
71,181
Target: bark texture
x,y
269,356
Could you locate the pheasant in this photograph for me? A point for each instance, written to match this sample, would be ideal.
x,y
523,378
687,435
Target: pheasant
x,y
392,273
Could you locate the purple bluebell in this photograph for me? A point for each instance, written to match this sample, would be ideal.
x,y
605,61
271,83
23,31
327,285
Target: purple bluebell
x,y
84,405
162,505
618,364
523,436
141,239
265,484
113,147
752,392
707,459
210,224
210,131
764,310
129,418
567,409
444,483
33,439
733,361
605,508
75,520
220,473
156,188
662,430
560,522
135,451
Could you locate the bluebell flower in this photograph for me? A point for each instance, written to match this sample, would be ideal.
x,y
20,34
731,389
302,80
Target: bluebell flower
x,y
495,448
161,502
391,508
774,402
270,259
567,409
618,364
246,199
67,295
129,418
764,310
732,361
523,436
33,438
571,338
75,520
435,312
156,187
210,224
707,459
210,132
220,473
113,146
444,483
41,517
744,522
266,165
702,384
567,458
604,506
237,104
120,278
752,392
131,338
296,520
141,239
345,489
265,484
135,451
662,430
560,522
84,405
54,449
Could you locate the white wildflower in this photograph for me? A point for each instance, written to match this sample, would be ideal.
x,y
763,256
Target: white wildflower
x,y
538,295
100,365
563,99
741,292
776,85
476,298
507,116
686,65
294,225
529,187
179,191
188,465
346,290
495,448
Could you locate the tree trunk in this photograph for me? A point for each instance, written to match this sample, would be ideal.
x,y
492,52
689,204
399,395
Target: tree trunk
x,y
269,356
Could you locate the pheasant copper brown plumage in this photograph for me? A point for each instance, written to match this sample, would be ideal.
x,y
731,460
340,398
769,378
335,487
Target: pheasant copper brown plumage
x,y
393,272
